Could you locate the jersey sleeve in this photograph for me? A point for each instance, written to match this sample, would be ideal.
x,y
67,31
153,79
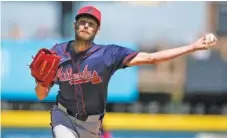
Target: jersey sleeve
x,y
117,56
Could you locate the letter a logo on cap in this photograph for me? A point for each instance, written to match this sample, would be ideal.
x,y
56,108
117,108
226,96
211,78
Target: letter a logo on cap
x,y
90,10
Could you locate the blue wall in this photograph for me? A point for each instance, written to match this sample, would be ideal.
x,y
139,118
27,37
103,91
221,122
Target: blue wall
x,y
46,133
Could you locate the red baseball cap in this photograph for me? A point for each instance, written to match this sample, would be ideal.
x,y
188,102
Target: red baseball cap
x,y
89,10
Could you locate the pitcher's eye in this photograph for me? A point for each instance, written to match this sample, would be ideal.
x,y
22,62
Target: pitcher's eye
x,y
91,24
82,22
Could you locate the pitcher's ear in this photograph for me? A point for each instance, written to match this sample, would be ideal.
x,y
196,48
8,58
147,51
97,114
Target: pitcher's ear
x,y
74,24
98,30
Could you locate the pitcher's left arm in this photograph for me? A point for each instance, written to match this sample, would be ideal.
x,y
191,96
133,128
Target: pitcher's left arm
x,y
203,43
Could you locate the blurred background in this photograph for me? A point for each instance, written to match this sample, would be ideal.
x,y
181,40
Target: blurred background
x,y
182,98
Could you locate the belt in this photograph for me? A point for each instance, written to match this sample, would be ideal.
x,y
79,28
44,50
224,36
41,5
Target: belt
x,y
78,116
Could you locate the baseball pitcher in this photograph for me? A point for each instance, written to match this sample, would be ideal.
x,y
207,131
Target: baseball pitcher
x,y
82,69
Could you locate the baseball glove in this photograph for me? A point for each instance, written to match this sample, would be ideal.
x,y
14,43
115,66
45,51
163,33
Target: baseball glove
x,y
44,67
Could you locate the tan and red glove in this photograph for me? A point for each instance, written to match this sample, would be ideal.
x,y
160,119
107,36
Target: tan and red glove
x,y
44,67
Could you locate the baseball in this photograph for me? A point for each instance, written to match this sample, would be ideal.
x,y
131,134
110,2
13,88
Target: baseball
x,y
210,37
